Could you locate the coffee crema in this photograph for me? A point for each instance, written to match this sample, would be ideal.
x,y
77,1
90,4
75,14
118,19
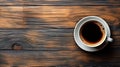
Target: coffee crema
x,y
92,33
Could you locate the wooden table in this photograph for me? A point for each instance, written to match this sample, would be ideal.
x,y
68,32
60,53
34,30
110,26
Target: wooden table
x,y
36,33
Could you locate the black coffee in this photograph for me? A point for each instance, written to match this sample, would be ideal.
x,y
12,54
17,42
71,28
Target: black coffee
x,y
91,32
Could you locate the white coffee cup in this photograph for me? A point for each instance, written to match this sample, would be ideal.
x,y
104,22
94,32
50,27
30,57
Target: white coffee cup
x,y
92,31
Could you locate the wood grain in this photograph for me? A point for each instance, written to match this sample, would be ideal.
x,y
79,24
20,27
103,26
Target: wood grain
x,y
71,2
11,2
44,31
50,27
58,58
45,43
58,2
11,17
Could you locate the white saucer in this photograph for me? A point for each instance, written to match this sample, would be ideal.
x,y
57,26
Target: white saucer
x,y
77,37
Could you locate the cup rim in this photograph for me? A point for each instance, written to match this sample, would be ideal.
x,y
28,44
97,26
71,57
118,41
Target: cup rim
x,y
97,44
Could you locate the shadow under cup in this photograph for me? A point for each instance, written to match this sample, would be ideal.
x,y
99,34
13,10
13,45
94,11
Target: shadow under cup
x,y
92,33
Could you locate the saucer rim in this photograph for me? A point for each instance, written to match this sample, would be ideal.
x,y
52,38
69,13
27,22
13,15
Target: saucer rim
x,y
80,44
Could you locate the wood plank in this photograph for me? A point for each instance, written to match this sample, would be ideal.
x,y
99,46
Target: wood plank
x,y
44,41
66,17
11,17
11,2
58,58
58,2
71,2
57,17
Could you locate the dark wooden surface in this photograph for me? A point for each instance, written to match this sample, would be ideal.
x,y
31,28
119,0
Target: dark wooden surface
x,y
37,33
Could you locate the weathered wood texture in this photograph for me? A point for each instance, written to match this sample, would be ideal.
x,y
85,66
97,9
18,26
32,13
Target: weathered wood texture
x,y
59,2
44,27
46,33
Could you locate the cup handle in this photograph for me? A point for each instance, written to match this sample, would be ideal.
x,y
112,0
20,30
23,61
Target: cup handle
x,y
109,39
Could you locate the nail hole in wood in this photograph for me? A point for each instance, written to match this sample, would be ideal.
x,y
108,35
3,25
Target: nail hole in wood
x,y
16,46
